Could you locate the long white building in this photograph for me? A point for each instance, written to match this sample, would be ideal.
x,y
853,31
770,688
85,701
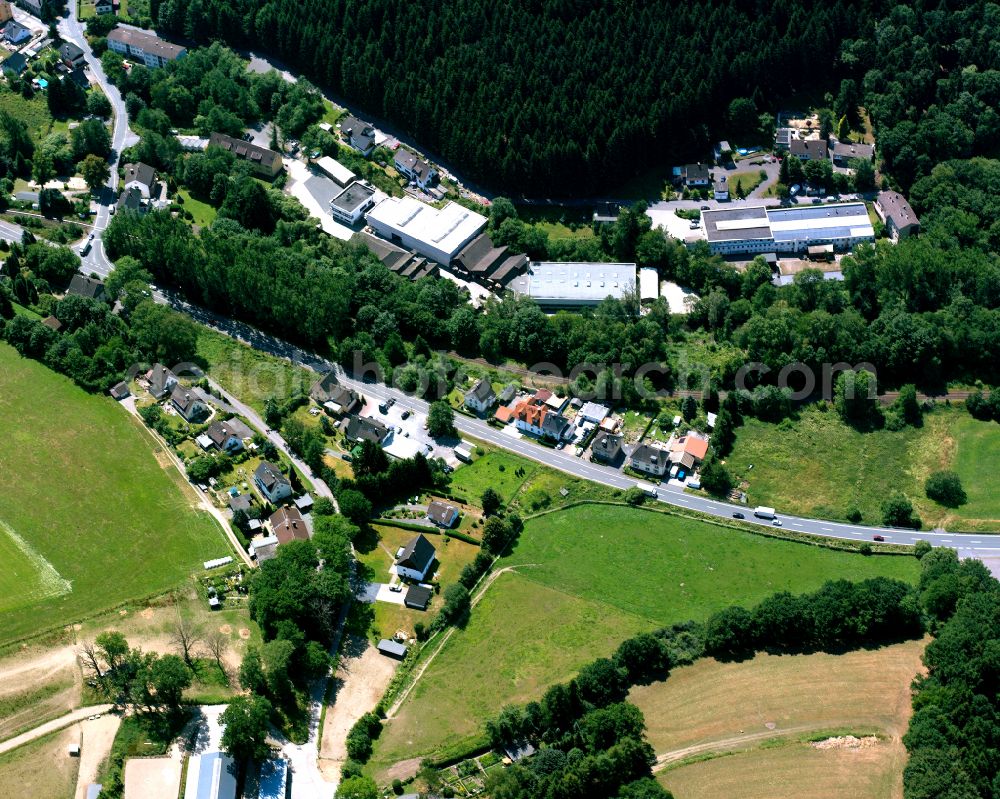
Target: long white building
x,y
750,231
438,234
555,285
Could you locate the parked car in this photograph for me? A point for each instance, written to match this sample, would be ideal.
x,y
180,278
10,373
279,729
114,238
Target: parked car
x,y
738,516
406,415
704,208
878,538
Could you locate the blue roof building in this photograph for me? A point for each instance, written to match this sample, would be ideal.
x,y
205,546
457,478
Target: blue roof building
x,y
210,776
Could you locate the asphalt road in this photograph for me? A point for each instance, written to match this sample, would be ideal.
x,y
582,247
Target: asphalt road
x,y
97,262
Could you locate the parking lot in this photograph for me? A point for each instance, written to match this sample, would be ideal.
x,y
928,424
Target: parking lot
x,y
410,429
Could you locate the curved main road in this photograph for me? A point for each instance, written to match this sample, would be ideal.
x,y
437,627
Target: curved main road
x,y
97,262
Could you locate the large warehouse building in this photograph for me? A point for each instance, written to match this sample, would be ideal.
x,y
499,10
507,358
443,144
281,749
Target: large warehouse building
x,y
750,231
574,285
438,234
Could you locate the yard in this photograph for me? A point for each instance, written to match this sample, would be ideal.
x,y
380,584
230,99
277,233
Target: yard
x,y
41,768
98,516
585,579
34,112
203,214
794,471
745,181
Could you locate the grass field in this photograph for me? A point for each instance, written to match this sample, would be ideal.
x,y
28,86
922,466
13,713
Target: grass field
x,y
587,578
203,213
98,514
797,771
794,469
711,701
34,112
749,179
41,768
249,374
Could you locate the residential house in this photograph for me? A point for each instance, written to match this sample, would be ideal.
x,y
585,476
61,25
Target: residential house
x,y
721,189
336,399
265,163
592,412
229,435
555,403
131,199
363,428
417,597
52,323
14,64
696,176
843,152
555,426
145,47
287,525
414,560
503,414
72,55
16,33
689,450
188,404
241,502
34,6
442,514
650,460
541,396
84,286
607,448
359,135
480,397
415,168
783,138
508,394
120,391
809,149
528,417
271,482
893,209
161,380
102,7
142,177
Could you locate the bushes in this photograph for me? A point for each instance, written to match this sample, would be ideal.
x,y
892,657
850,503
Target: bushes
x,y
945,488
473,571
359,739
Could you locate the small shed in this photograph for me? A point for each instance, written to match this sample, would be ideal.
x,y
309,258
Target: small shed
x,y
464,452
304,503
120,391
215,564
73,750
418,597
214,603
393,649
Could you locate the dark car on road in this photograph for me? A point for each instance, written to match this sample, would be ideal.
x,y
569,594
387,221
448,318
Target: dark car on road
x,y
878,538
738,516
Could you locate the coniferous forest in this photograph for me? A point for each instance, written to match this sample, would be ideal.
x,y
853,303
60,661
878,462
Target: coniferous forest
x,y
546,96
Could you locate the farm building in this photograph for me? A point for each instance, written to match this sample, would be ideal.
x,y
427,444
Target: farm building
x,y
211,776
393,649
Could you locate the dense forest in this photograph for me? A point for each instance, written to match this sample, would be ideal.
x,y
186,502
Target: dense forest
x,y
553,96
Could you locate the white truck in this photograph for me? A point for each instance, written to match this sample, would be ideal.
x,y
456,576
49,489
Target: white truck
x,y
647,488
764,513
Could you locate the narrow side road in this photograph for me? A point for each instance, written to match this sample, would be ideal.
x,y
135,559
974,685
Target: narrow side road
x,y
51,726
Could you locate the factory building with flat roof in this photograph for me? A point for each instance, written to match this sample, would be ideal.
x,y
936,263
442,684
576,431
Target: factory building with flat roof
x,y
752,231
438,234
574,285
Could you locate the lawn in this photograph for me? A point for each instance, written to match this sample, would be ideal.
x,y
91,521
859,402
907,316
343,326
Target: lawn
x,y
665,568
586,579
42,767
796,770
522,637
502,471
748,179
203,214
817,466
865,690
103,520
249,374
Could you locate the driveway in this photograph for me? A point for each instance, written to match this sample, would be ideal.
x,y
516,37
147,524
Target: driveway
x,y
315,193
